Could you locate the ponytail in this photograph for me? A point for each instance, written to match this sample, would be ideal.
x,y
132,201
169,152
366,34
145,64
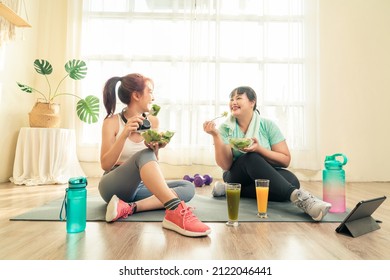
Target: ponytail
x,y
130,83
109,95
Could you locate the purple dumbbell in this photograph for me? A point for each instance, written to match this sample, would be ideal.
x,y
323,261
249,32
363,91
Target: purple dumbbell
x,y
198,180
202,180
188,178
207,179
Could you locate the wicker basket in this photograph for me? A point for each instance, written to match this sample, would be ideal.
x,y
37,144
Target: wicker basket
x,y
45,115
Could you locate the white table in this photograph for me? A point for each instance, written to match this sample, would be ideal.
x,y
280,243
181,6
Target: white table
x,y
45,156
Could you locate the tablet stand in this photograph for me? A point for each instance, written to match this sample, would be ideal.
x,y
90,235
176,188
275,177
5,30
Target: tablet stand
x,y
360,226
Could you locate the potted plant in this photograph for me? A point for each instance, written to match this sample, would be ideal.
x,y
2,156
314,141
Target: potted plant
x,y
45,112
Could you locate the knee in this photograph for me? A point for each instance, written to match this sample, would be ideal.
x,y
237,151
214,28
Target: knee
x,y
289,177
186,191
293,179
295,182
190,189
144,156
147,153
103,193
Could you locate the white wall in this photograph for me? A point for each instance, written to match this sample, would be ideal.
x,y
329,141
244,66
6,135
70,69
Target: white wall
x,y
354,84
16,64
46,39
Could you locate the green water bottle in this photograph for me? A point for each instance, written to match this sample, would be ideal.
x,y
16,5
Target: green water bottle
x,y
75,204
333,179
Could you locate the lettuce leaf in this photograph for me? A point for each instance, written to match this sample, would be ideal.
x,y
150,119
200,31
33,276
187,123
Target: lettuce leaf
x,y
163,137
240,143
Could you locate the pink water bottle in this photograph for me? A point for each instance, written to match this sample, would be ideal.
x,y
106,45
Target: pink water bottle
x,y
333,179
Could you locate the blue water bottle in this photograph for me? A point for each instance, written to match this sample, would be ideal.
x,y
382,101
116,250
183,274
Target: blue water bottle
x,y
75,204
333,179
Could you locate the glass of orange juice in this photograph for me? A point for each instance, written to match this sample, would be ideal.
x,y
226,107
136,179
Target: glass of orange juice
x,y
262,190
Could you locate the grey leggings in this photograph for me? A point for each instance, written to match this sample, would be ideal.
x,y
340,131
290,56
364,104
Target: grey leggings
x,y
125,181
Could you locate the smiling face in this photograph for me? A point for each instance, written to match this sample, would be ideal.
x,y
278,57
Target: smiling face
x,y
147,97
240,104
148,94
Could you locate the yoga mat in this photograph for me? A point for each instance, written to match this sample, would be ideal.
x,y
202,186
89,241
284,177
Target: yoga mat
x,y
207,209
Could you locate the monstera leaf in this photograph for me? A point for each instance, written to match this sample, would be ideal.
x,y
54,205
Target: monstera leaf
x,y
86,109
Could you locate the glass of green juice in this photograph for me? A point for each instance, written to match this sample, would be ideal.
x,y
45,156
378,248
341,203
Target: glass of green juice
x,y
233,191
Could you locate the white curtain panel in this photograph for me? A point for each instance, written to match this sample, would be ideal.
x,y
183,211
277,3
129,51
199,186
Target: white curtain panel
x,y
197,52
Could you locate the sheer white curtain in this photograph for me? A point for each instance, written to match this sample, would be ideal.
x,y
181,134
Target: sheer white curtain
x,y
197,51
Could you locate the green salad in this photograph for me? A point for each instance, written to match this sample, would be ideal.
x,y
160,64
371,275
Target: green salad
x,y
240,143
154,136
155,109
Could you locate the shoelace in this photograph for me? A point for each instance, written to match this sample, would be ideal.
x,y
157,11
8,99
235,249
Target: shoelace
x,y
308,205
187,214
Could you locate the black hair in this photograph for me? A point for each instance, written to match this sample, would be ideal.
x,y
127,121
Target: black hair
x,y
250,93
129,84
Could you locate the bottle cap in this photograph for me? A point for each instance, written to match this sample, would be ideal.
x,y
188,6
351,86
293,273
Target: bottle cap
x,y
332,163
77,182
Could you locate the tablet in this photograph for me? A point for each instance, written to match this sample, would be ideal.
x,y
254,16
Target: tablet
x,y
359,220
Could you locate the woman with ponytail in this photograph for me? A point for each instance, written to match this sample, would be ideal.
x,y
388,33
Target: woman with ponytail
x,y
133,181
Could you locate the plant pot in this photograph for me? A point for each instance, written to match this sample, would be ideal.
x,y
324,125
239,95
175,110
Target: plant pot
x,y
45,115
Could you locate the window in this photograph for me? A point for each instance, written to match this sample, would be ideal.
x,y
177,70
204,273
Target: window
x,y
197,51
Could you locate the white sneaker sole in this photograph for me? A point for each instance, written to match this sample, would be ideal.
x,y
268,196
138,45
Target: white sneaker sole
x,y
218,189
171,226
322,213
112,209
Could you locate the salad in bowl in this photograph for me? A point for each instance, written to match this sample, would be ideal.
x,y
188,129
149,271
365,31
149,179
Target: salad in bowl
x,y
240,143
162,137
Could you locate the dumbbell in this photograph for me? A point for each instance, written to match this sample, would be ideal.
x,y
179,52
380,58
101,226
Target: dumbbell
x,y
199,180
206,178
188,178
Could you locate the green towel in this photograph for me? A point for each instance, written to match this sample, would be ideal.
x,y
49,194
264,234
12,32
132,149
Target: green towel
x,y
235,132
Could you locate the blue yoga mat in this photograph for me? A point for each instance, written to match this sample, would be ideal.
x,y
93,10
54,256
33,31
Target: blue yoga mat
x,y
207,209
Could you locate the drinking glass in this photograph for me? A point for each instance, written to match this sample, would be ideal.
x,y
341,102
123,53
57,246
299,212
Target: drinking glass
x,y
262,190
233,191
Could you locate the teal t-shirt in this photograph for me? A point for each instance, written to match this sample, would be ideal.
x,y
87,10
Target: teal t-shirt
x,y
268,133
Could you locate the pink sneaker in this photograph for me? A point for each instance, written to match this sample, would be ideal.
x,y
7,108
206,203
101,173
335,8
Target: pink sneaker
x,y
183,221
117,208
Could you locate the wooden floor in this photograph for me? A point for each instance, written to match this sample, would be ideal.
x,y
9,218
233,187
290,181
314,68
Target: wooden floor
x,y
30,240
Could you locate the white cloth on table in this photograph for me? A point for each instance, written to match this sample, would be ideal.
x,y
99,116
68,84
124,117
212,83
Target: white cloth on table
x,y
45,156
